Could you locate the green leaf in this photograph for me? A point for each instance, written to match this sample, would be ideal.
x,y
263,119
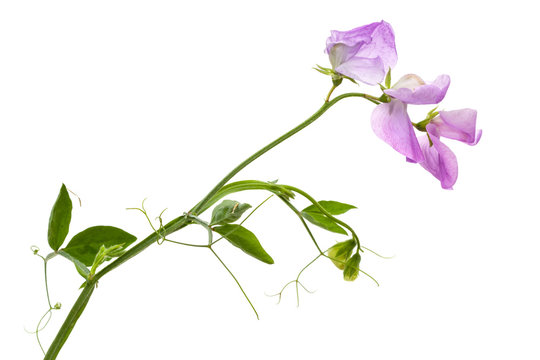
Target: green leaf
x,y
314,215
245,240
332,207
323,222
59,219
85,245
352,268
228,212
81,268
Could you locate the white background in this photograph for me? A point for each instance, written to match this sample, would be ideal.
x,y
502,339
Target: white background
x,y
123,100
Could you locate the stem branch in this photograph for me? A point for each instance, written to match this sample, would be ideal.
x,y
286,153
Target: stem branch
x,y
177,224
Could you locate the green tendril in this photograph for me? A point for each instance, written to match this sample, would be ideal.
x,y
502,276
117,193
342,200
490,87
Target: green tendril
x,y
40,326
297,282
237,282
158,231
377,254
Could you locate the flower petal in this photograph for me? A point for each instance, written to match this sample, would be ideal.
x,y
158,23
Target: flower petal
x,y
440,161
458,125
409,81
373,41
382,45
412,90
392,124
352,37
369,71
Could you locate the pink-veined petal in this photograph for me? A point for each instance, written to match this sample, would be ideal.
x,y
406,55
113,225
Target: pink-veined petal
x,y
392,124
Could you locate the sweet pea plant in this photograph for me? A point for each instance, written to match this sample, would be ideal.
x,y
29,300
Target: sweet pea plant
x,y
365,54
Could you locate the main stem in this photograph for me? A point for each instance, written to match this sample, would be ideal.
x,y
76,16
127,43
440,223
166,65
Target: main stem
x,y
176,225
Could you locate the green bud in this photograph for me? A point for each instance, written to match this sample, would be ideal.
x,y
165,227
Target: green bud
x,y
337,80
350,273
340,252
57,306
388,79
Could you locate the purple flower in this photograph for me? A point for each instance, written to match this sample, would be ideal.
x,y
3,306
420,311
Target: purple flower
x,y
365,53
390,121
440,161
392,124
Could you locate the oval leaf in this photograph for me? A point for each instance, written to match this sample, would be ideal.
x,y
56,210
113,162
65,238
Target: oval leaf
x,y
333,207
228,212
316,218
59,219
85,245
245,240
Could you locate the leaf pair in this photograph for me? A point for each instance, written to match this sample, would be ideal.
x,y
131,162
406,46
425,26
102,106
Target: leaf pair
x,y
83,247
314,215
228,212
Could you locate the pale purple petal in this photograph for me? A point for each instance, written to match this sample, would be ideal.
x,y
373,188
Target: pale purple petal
x,y
440,161
392,124
351,37
426,93
458,125
373,42
382,45
369,71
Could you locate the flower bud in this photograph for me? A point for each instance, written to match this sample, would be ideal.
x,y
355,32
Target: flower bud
x,y
350,273
340,252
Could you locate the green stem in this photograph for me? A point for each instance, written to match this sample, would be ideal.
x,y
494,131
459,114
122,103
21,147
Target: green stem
x,y
330,93
299,214
70,321
249,160
176,225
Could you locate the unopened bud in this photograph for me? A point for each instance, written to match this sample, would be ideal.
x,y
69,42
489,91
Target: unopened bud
x,y
340,252
352,268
